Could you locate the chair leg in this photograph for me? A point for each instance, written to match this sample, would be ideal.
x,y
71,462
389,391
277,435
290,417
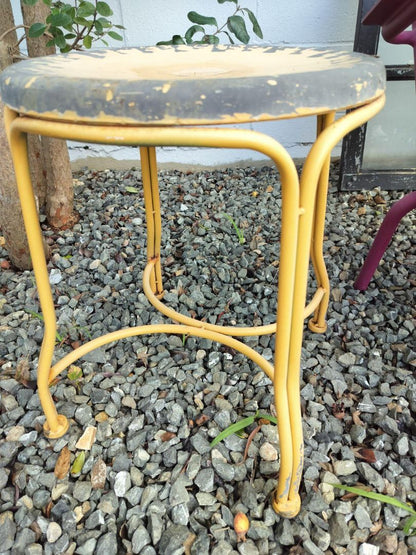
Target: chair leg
x,y
56,424
318,324
153,217
383,238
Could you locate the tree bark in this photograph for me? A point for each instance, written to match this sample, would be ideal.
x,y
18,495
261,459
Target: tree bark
x,y
60,192
11,220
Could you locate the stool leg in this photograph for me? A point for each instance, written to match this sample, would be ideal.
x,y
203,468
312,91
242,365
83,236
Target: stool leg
x,y
153,217
56,424
318,323
383,238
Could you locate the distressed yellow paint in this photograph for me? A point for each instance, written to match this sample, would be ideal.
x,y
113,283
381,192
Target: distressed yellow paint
x,y
109,95
7,81
272,82
166,88
30,82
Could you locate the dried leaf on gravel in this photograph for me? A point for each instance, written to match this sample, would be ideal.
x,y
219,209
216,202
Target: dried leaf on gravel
x,y
365,454
63,463
167,436
98,474
356,418
22,374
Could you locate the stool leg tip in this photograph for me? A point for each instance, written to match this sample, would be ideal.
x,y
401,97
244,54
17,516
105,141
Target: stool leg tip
x,y
315,327
60,430
287,508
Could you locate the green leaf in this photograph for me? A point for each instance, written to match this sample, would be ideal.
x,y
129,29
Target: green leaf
x,y
191,32
377,497
256,27
105,23
236,25
223,1
164,43
104,9
59,19
37,30
114,35
202,19
230,38
234,428
29,2
87,41
132,190
211,39
78,463
409,524
177,39
98,28
85,9
60,42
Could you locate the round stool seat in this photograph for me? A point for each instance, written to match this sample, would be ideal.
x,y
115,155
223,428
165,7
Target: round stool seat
x,y
190,85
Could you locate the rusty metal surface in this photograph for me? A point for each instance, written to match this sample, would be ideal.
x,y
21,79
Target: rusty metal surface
x,y
185,85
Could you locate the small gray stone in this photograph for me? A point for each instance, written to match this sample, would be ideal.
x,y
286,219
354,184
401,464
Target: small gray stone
x,y
344,467
205,480
180,514
82,491
122,483
53,532
95,520
4,476
258,530
178,493
107,543
347,359
401,445
224,470
200,444
87,548
140,539
23,538
338,530
8,450
371,476
321,538
285,533
34,549
358,434
362,518
172,540
248,548
83,414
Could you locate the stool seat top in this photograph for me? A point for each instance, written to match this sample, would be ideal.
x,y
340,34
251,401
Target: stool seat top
x,y
190,85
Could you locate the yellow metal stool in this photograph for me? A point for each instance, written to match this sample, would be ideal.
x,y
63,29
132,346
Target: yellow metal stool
x,y
174,96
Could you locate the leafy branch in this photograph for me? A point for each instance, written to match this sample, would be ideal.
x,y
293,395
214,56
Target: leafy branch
x,y
233,28
73,27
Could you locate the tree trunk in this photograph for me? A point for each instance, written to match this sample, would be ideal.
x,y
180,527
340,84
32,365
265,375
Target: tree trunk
x,y
60,193
11,220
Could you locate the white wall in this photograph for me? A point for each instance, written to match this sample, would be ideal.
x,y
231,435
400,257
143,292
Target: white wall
x,y
302,22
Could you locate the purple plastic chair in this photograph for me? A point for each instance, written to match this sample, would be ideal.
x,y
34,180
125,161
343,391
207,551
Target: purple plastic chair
x,y
393,17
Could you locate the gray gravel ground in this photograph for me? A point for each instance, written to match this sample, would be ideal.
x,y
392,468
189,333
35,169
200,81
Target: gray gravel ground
x,y
157,402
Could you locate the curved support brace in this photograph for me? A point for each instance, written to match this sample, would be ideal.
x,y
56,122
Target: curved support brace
x,y
86,348
235,331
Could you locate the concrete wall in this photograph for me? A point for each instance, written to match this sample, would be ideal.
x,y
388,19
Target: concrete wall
x,y
304,22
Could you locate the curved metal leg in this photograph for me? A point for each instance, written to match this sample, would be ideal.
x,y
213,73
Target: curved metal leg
x,y
318,323
311,173
383,238
56,424
153,218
